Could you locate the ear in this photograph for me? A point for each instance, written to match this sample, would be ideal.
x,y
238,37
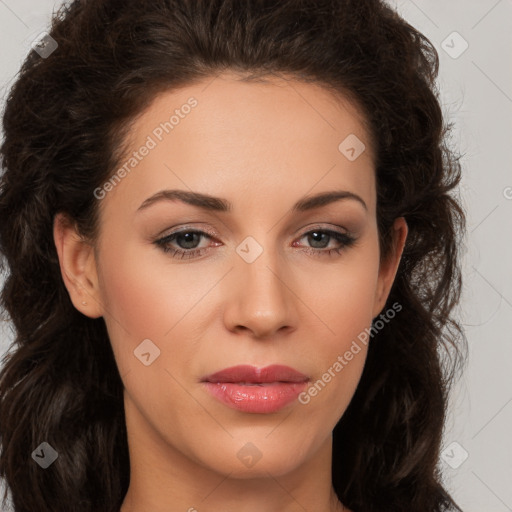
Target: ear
x,y
388,268
78,267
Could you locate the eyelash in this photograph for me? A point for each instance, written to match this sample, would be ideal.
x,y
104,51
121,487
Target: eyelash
x,y
344,239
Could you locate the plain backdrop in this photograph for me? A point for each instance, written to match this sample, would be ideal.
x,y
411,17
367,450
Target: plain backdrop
x,y
474,41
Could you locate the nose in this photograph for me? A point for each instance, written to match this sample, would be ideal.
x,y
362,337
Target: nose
x,y
261,300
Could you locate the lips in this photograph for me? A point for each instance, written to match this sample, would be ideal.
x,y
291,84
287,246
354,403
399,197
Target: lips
x,y
256,390
253,375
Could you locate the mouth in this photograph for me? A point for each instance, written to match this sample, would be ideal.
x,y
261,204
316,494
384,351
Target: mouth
x,y
256,390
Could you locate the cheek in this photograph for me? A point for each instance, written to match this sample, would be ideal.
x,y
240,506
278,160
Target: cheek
x,y
342,297
344,304
142,300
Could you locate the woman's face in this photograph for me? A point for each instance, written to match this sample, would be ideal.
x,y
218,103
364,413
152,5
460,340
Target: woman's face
x,y
212,254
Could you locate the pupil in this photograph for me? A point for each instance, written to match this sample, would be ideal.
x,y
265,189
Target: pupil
x,y
190,240
318,236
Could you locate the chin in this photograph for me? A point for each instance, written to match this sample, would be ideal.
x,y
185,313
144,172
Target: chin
x,y
276,465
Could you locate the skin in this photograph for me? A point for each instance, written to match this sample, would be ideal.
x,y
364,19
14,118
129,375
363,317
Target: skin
x,y
262,146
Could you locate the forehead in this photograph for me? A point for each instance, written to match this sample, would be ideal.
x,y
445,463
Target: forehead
x,y
231,107
223,133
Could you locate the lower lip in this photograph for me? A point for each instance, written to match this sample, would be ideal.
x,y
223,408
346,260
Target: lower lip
x,y
263,398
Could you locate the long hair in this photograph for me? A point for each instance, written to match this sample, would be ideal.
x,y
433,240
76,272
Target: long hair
x,y
65,123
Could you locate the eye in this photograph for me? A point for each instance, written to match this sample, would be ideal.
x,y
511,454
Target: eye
x,y
319,240
187,241
185,244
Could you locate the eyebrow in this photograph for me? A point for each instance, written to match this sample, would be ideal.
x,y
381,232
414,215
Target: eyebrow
x,y
207,202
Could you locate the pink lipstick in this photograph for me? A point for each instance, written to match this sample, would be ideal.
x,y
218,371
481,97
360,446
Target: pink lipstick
x,y
256,390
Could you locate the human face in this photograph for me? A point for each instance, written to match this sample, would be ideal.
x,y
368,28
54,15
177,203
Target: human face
x,y
211,301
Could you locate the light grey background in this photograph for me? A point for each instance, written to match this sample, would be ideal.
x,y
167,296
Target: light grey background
x,y
476,91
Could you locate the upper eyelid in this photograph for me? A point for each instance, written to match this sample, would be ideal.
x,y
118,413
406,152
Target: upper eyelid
x,y
201,231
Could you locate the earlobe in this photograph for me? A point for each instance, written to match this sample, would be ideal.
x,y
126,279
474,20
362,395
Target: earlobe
x,y
389,267
77,266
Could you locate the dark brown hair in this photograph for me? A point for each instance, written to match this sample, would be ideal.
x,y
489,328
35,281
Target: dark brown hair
x,y
65,121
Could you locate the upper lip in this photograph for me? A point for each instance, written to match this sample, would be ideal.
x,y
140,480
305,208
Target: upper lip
x,y
252,374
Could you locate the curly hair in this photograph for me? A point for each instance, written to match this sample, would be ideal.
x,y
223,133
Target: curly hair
x,y
65,121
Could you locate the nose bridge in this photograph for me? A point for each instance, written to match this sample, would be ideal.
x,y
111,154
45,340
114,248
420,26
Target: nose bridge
x,y
261,302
